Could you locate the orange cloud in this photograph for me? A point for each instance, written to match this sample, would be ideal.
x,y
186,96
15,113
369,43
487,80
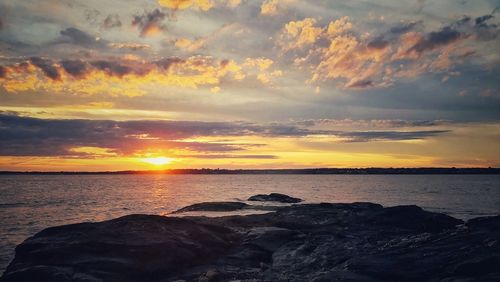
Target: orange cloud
x,y
269,8
274,7
333,52
117,77
202,5
299,34
189,45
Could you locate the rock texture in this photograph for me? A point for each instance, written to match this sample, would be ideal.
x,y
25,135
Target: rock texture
x,y
274,197
213,206
306,242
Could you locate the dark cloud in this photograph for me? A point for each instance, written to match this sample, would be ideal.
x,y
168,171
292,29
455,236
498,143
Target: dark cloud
x,y
112,68
483,19
378,43
121,68
75,36
112,21
166,63
436,39
26,136
462,21
150,23
364,136
227,156
375,123
76,68
485,31
361,84
1,24
403,28
47,67
3,71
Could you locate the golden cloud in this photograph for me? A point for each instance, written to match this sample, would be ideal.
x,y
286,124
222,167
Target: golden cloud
x,y
202,5
333,52
119,77
130,75
190,45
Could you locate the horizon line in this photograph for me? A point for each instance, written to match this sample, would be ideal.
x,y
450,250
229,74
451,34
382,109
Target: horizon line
x,y
318,170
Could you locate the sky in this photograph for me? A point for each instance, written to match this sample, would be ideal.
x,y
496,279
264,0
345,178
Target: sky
x,y
89,85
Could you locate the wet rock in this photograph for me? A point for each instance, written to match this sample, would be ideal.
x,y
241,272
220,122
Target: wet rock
x,y
274,197
305,242
213,206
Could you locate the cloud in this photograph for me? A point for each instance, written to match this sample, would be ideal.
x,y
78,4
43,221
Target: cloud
x,y
227,156
112,21
3,72
26,136
203,5
365,136
76,68
47,67
130,75
150,23
75,36
436,39
299,34
337,51
404,27
190,45
374,123
269,8
485,31
200,5
129,45
117,76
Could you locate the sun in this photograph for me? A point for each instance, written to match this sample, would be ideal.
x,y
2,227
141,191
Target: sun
x,y
158,160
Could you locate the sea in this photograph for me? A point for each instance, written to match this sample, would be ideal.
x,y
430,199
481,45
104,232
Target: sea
x,y
30,203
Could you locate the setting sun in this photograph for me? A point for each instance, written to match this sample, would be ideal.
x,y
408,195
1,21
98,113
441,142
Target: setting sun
x,y
158,160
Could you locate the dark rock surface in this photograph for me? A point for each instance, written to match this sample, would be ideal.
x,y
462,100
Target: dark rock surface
x,y
213,206
307,242
274,197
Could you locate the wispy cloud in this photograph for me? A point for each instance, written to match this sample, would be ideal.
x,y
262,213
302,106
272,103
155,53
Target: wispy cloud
x,y
25,136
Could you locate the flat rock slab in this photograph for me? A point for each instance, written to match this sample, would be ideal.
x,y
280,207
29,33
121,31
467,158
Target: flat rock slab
x,y
214,206
129,248
274,197
305,242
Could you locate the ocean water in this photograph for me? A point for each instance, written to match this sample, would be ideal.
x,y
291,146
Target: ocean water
x,y
30,203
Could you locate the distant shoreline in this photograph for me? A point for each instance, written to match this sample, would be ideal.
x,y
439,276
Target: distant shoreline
x,y
309,171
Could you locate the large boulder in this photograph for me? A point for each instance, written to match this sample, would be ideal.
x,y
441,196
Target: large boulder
x,y
130,248
274,197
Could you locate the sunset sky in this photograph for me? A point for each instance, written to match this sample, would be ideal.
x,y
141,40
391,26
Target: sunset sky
x,y
116,85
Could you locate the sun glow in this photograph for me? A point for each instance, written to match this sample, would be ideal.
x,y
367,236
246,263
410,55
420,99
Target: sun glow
x,y
158,160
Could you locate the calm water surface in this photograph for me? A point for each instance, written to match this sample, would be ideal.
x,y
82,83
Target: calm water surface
x,y
29,203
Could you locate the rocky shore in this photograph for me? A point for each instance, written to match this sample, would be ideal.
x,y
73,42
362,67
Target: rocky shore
x,y
297,242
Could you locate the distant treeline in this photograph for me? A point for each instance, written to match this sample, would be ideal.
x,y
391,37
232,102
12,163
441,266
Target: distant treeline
x,y
451,170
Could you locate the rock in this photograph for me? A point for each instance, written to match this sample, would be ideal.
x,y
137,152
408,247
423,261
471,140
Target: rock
x,y
274,197
214,206
488,222
130,248
305,242
414,218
